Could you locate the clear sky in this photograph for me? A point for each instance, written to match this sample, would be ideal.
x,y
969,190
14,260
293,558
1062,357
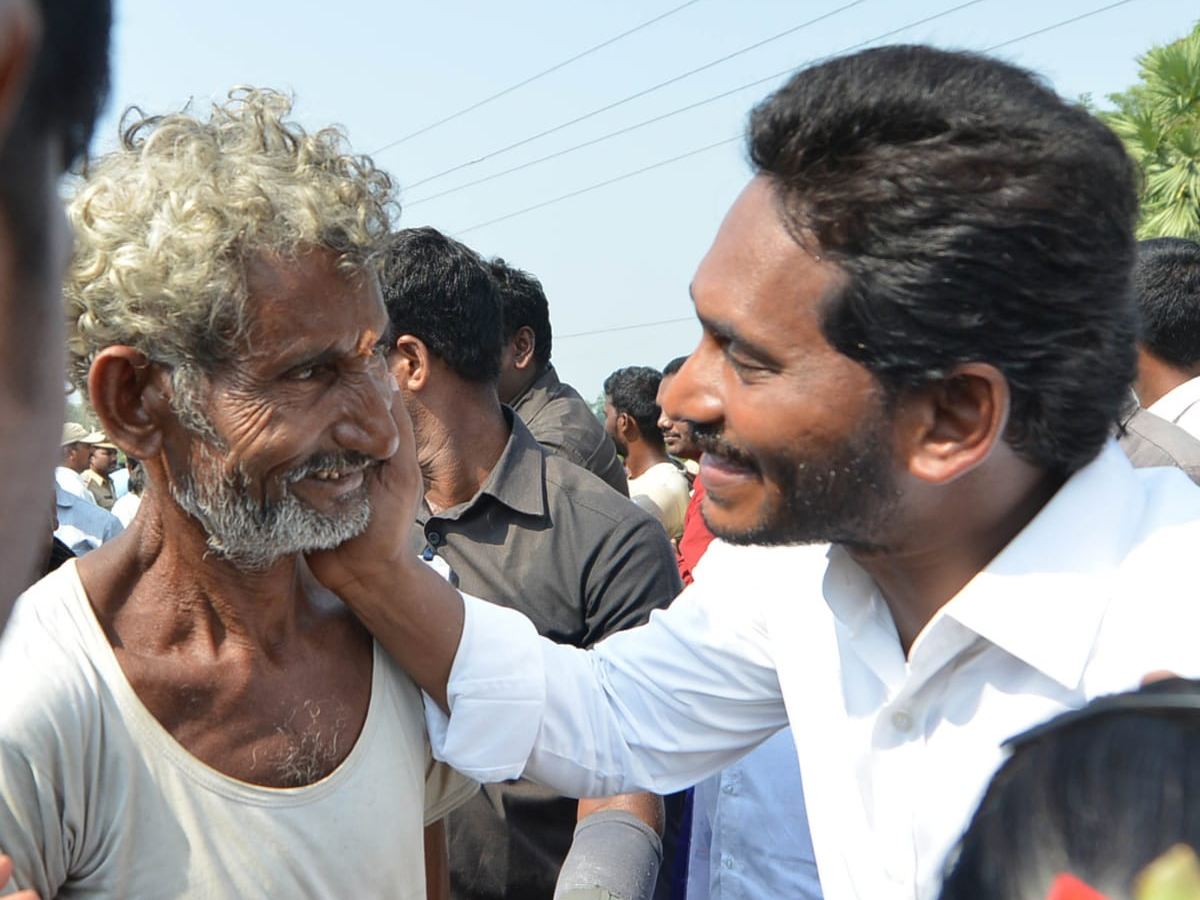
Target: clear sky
x,y
616,260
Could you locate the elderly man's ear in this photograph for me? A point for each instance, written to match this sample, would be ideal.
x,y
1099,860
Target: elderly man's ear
x,y
132,398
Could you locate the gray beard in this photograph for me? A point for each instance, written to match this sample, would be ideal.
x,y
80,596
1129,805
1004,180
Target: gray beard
x,y
254,535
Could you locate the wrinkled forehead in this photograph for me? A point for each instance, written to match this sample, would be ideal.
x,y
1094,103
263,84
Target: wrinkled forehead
x,y
312,296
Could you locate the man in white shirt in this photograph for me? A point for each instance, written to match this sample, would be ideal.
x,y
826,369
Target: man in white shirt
x,y
82,525
76,452
917,339
1166,285
631,414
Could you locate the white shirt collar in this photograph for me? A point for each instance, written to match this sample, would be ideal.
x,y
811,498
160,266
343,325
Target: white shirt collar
x,y
1175,402
1042,599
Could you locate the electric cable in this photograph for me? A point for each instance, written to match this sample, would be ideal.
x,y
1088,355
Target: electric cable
x,y
674,112
641,93
631,327
533,78
698,150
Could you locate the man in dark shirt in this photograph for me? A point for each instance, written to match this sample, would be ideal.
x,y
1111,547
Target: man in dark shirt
x,y
527,529
556,415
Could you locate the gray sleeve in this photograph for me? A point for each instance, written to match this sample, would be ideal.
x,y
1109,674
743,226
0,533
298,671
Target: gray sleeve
x,y
614,852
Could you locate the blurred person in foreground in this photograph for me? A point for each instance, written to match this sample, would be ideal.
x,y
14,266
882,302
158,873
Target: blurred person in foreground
x,y
53,82
917,342
188,713
1100,803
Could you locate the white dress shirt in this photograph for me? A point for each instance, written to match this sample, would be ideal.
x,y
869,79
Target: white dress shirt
x,y
750,837
82,525
1181,405
1095,592
72,482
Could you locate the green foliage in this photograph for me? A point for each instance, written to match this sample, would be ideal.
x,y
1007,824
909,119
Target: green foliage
x,y
1159,122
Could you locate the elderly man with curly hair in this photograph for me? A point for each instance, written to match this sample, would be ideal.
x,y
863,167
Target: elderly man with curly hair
x,y
187,712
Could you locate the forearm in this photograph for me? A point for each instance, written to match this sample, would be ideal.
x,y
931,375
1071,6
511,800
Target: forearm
x,y
617,847
417,617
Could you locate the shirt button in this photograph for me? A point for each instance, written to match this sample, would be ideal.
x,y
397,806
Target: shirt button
x,y
434,538
902,721
728,788
728,862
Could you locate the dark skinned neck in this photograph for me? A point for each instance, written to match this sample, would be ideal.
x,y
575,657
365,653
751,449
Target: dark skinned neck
x,y
1156,378
941,555
459,446
642,456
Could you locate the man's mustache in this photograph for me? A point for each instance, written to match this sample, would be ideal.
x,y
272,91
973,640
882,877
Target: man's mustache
x,y
343,461
710,440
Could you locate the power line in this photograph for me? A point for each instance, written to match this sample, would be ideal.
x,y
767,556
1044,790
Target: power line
x,y
595,187
993,47
1070,21
594,331
682,156
674,112
533,78
641,93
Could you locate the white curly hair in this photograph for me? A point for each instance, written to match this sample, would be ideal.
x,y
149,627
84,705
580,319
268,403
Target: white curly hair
x,y
165,226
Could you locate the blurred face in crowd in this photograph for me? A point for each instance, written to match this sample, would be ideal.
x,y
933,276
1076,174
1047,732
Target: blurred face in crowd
x,y
103,460
78,455
612,426
675,432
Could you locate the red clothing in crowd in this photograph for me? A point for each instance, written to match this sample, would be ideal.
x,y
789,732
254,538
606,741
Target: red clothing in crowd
x,y
696,536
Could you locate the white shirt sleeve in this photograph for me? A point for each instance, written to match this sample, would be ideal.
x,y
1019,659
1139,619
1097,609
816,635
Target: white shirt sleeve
x,y
654,708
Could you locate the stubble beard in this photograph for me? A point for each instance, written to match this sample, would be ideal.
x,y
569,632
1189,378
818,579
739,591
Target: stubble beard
x,y
255,534
844,499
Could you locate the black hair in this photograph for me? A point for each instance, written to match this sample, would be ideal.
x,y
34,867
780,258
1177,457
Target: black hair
x,y
440,291
674,366
633,390
137,476
977,217
524,303
1098,793
67,88
1166,286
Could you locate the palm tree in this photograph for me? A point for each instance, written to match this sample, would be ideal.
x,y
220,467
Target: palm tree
x,y
1159,122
